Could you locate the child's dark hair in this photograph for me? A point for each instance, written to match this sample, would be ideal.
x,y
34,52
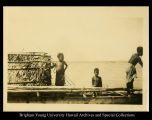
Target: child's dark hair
x,y
139,49
59,54
96,69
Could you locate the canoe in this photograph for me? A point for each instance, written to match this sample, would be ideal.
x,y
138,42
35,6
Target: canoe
x,y
72,95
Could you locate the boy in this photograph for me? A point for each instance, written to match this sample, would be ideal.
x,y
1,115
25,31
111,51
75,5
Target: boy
x,y
96,80
61,66
131,71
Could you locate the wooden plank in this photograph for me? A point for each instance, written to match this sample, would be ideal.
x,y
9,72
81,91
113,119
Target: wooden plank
x,y
117,92
50,87
67,87
60,89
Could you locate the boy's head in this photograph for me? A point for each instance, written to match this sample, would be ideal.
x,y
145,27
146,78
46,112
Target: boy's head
x,y
96,71
60,56
140,51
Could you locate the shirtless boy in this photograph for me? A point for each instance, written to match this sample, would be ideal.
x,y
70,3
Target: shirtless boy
x,y
61,66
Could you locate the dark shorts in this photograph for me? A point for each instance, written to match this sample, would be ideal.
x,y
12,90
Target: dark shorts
x,y
130,85
60,79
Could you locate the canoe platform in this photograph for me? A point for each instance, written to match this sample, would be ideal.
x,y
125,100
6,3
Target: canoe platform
x,y
71,95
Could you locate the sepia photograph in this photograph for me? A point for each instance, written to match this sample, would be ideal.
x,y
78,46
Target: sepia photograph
x,y
76,58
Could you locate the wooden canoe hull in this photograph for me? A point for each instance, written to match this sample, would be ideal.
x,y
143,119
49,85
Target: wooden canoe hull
x,y
71,95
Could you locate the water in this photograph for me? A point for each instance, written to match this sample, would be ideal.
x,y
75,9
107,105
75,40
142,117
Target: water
x,y
112,73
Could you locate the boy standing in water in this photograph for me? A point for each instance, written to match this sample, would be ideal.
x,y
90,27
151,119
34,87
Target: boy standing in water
x,y
131,71
96,80
61,66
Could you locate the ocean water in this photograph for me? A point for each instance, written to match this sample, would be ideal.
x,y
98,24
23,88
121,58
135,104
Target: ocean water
x,y
112,73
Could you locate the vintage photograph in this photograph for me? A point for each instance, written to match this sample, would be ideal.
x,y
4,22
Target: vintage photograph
x,y
84,58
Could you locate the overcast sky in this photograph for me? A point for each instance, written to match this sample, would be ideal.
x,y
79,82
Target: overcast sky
x,y
81,33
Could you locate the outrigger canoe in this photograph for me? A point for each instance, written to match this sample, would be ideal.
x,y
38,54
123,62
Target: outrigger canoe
x,y
71,95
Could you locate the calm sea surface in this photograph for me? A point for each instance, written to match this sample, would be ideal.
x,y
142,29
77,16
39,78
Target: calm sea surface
x,y
112,73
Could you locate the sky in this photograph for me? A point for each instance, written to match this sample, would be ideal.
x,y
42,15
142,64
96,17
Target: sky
x,y
81,33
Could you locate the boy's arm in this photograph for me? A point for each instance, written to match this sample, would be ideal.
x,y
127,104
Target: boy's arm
x,y
66,65
101,81
93,84
54,64
140,62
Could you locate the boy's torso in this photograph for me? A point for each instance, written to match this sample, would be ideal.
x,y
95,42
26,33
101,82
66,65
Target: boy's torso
x,y
60,66
96,81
